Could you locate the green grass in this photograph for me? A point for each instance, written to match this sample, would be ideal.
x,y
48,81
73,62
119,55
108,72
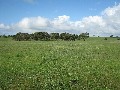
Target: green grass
x,y
93,64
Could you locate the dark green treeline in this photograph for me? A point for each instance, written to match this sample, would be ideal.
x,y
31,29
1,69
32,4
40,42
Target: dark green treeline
x,y
44,36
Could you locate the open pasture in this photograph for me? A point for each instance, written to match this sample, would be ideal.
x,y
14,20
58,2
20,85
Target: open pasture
x,y
93,64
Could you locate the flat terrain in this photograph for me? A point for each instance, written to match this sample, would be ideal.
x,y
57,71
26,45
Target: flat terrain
x,y
93,64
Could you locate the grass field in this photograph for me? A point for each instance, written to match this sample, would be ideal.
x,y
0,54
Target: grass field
x,y
93,64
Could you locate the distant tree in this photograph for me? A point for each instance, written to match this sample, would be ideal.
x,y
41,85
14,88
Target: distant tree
x,y
9,36
22,36
84,36
68,37
35,36
18,37
31,36
111,35
62,36
76,36
41,36
54,36
118,38
4,36
13,36
45,36
105,38
73,37
38,36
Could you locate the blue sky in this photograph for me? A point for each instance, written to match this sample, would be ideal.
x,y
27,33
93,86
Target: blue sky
x,y
13,12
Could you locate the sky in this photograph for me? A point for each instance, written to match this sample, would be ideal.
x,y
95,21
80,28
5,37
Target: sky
x,y
97,17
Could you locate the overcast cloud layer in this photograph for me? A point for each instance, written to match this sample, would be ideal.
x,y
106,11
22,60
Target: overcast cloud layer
x,y
106,24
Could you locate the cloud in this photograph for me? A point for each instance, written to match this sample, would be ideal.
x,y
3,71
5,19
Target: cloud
x,y
4,29
106,24
2,26
61,23
33,22
111,16
93,20
111,11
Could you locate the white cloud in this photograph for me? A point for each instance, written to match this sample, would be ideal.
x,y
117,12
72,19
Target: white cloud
x,y
2,26
93,20
111,11
106,24
62,19
4,29
111,16
61,23
33,22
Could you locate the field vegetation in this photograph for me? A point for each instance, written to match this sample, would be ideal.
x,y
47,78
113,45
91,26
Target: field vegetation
x,y
93,64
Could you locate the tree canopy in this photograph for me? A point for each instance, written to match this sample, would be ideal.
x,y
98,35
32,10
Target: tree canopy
x,y
44,36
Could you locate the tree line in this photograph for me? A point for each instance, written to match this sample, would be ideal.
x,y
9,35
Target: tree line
x,y
44,36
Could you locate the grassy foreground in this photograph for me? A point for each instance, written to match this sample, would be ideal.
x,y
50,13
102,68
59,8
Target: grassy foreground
x,y
93,64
